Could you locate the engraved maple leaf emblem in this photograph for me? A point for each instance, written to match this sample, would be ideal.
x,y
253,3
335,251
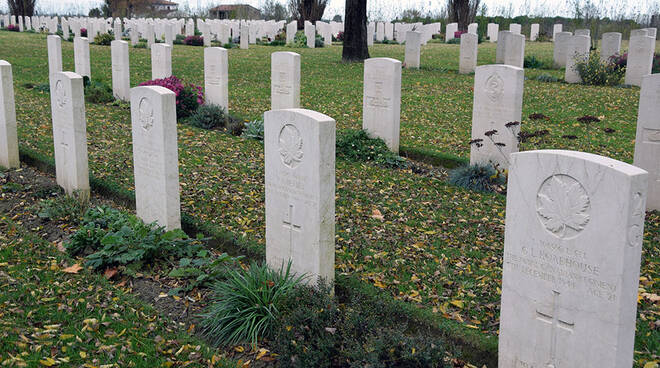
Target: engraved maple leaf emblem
x,y
290,146
563,204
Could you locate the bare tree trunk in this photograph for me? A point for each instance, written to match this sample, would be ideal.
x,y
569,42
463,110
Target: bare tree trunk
x,y
355,31
22,7
462,12
311,10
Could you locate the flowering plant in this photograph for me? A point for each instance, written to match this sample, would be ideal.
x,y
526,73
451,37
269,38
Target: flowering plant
x,y
458,34
194,41
83,32
188,96
13,28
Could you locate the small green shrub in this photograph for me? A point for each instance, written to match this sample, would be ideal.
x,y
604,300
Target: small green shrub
x,y
595,72
356,145
254,129
483,178
546,78
178,40
246,306
140,45
104,39
97,92
532,62
454,41
235,127
208,116
64,207
230,45
202,270
299,40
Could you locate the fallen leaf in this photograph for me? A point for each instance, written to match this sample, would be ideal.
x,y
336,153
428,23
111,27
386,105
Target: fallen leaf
x,y
377,215
110,273
72,269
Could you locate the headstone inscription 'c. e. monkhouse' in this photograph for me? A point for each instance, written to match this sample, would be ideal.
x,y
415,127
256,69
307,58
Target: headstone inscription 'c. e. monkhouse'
x,y
155,156
161,61
284,80
121,77
496,114
299,150
8,134
67,101
572,251
381,103
647,141
216,75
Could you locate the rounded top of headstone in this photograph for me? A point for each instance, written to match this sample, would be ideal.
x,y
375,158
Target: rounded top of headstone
x,y
67,75
4,63
284,54
118,42
603,161
53,36
151,90
382,60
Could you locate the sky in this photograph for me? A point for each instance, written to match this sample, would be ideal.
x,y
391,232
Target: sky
x,y
388,9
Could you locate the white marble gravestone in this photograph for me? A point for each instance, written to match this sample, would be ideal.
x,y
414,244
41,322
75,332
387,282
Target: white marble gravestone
x,y
150,35
299,150
578,51
291,30
117,29
498,95
216,77
67,101
647,141
371,30
54,54
284,80
515,28
534,32
583,32
556,29
81,57
161,61
8,134
450,30
493,30
572,250
510,49
121,76
640,59
310,33
413,48
500,50
468,53
610,45
381,102
473,28
560,52
245,37
380,31
155,156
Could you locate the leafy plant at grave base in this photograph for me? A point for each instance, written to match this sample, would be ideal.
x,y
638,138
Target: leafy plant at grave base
x,y
108,237
188,96
547,78
97,92
178,40
479,177
64,207
543,37
202,270
318,41
281,36
254,129
140,45
83,32
230,45
532,62
454,41
13,28
299,40
315,330
340,36
235,127
194,41
246,305
595,72
620,61
356,145
208,116
104,39
458,34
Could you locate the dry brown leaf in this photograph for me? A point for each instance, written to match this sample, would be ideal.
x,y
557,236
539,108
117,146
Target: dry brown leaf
x,y
72,269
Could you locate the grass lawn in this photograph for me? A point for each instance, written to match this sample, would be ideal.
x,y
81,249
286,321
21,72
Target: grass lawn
x,y
437,245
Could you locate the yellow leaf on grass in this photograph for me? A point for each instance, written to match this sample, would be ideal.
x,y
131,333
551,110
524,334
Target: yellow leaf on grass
x,y
48,362
379,284
457,303
82,354
261,353
72,269
653,364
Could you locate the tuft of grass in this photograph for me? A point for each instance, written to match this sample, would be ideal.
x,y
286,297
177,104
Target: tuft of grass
x,y
63,207
356,145
479,177
208,116
246,306
254,129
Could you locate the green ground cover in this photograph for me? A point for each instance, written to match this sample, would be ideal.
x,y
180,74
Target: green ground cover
x,y
415,236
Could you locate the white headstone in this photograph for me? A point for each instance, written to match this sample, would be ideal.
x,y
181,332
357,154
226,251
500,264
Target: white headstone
x,y
413,48
610,46
557,28
54,54
310,33
381,103
371,30
534,32
578,51
117,29
151,37
583,32
284,80
8,134
161,61
653,32
572,251
121,76
380,31
245,37
473,28
493,30
515,28
560,52
450,29
468,54
216,76
190,27
640,59
291,30
389,31
299,150
498,96
67,101
155,156
647,141
510,49
81,56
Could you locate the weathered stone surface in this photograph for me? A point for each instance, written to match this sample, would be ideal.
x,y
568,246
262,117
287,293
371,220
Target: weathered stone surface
x,y
161,61
54,54
640,59
216,76
578,51
468,53
121,76
647,141
381,103
81,57
610,45
284,80
8,134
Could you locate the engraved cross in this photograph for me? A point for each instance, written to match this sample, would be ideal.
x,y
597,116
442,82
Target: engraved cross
x,y
552,318
290,224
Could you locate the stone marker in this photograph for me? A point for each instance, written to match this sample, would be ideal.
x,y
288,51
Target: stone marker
x,y
534,32
653,32
640,59
560,51
500,50
291,30
610,46
572,250
8,135
299,148
117,29
155,156
583,32
498,95
381,103
473,28
54,54
216,77
161,61
380,31
493,30
67,101
556,29
310,33
245,37
647,141
510,49
468,53
81,56
284,80
450,30
151,37
577,51
371,30
121,77
413,48
515,28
